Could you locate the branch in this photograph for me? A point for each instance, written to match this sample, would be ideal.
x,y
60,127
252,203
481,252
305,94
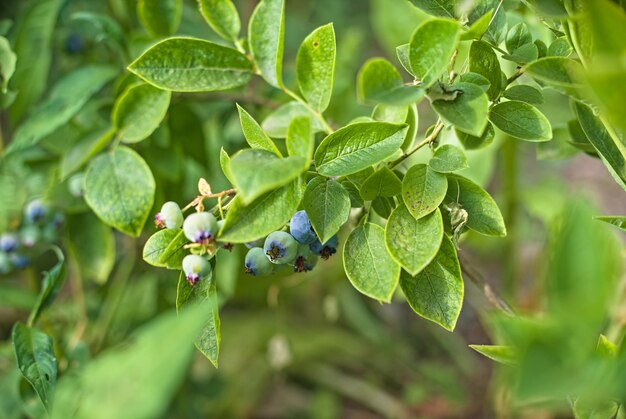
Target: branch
x,y
480,282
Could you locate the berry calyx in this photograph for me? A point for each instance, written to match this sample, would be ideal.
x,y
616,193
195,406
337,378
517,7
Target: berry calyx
x,y
280,247
305,260
327,249
301,229
257,263
200,227
196,267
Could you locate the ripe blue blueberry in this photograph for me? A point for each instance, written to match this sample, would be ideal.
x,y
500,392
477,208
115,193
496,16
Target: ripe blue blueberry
x,y
74,44
327,249
19,261
196,267
305,259
170,216
280,247
200,227
8,242
36,210
5,263
300,228
257,263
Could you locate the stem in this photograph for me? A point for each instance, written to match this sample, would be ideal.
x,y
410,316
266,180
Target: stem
x,y
433,135
509,175
317,114
519,73
200,198
480,282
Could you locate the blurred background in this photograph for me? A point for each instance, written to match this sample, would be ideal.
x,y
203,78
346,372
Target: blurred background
x,y
293,346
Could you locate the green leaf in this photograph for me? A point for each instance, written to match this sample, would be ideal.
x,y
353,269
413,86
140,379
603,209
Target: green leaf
x,y
254,134
477,79
431,49
445,8
606,348
315,67
266,39
479,27
522,55
225,164
379,81
138,112
470,142
92,245
255,172
518,36
413,243
402,52
276,124
468,111
7,63
484,216
499,353
357,146
355,197
617,221
119,188
203,294
423,190
222,17
266,214
390,113
160,17
68,96
448,159
560,48
551,8
170,255
383,182
327,204
300,140
36,360
524,93
612,151
368,265
436,293
192,65
87,147
51,283
496,30
159,243
484,61
158,355
521,120
560,73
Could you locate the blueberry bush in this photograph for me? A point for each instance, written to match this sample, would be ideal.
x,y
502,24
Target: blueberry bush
x,y
370,170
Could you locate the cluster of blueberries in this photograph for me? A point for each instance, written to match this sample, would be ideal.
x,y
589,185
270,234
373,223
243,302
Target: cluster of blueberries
x,y
40,226
299,249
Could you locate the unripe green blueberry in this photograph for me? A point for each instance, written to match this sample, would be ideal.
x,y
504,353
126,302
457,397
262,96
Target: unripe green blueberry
x,y
196,267
301,229
327,249
280,247
257,263
30,235
200,227
170,216
305,259
75,185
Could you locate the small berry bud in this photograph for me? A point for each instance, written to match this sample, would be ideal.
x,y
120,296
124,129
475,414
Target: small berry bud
x,y
170,216
195,268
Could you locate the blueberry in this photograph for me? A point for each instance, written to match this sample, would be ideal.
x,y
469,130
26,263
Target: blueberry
x,y
19,261
305,259
200,227
8,242
170,216
257,263
195,268
280,247
36,210
58,220
74,44
300,228
30,235
256,243
327,249
5,263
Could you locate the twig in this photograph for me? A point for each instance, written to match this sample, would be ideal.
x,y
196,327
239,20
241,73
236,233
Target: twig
x,y
433,135
480,282
318,115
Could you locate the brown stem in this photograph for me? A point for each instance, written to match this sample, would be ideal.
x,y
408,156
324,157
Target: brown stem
x,y
425,142
480,282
